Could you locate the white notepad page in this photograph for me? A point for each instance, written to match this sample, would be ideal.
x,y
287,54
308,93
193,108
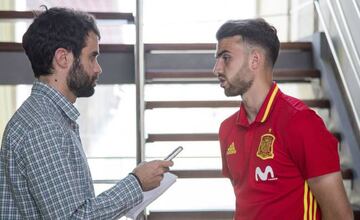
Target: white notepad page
x,y
151,195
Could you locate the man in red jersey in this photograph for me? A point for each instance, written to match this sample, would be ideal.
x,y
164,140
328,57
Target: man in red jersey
x,y
282,161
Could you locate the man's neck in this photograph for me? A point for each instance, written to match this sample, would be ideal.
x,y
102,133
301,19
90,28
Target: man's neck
x,y
254,98
59,85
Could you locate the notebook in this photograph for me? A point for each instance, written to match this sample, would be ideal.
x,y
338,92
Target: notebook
x,y
149,196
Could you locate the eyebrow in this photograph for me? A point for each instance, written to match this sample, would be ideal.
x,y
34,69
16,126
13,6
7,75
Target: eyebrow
x,y
221,53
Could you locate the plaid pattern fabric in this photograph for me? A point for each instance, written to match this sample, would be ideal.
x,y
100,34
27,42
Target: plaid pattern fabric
x,y
43,170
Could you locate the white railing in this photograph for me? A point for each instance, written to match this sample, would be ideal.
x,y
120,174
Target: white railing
x,y
348,45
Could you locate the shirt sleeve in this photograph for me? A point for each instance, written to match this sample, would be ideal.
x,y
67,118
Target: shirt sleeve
x,y
58,186
223,145
312,147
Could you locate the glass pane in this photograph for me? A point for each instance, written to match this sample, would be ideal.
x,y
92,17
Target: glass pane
x,y
112,31
188,120
273,7
99,188
199,155
181,92
111,168
7,32
107,121
196,194
178,92
164,21
281,25
192,149
85,5
199,120
299,90
191,194
8,105
184,21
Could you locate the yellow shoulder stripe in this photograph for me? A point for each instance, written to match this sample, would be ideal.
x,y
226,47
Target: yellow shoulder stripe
x,y
271,100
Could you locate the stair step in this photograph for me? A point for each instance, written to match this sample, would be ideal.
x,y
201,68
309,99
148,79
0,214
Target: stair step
x,y
195,137
182,59
112,57
313,103
181,46
191,215
296,46
198,173
115,55
182,137
280,75
147,47
205,215
104,48
211,46
10,47
99,15
347,173
356,210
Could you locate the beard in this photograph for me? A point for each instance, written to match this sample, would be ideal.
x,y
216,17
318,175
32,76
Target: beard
x,y
79,81
241,83
240,89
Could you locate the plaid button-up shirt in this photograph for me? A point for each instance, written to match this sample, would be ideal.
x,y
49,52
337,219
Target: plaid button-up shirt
x,y
43,170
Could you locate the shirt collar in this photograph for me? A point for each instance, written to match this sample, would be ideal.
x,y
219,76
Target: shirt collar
x,y
58,99
265,108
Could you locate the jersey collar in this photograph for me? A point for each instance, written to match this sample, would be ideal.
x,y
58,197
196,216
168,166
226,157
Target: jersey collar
x,y
264,111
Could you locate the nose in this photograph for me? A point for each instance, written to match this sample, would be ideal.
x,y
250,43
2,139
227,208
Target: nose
x,y
217,69
98,69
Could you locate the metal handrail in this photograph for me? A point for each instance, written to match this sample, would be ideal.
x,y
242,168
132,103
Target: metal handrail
x,y
356,8
140,84
351,40
336,58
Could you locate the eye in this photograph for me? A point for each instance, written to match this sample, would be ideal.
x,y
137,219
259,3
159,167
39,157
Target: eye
x,y
94,56
226,57
93,59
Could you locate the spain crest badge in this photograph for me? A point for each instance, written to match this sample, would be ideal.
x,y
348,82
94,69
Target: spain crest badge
x,y
266,147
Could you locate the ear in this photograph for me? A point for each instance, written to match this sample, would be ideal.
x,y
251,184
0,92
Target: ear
x,y
256,59
62,58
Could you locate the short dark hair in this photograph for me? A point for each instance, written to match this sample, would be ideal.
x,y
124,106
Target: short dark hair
x,y
254,31
56,28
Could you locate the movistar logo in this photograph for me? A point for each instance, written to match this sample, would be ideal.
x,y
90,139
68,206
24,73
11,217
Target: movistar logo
x,y
267,174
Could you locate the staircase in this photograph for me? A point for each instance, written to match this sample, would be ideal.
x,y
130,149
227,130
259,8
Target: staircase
x,y
186,65
191,64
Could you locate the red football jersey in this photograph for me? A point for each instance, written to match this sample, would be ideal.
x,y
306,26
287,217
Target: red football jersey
x,y
269,160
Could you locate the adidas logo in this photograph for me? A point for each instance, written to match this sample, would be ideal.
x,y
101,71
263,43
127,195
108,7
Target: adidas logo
x,y
231,149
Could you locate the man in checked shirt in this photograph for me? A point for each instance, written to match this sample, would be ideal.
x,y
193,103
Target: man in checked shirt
x,y
43,170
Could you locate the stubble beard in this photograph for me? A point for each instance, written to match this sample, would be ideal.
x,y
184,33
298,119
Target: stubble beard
x,y
239,89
